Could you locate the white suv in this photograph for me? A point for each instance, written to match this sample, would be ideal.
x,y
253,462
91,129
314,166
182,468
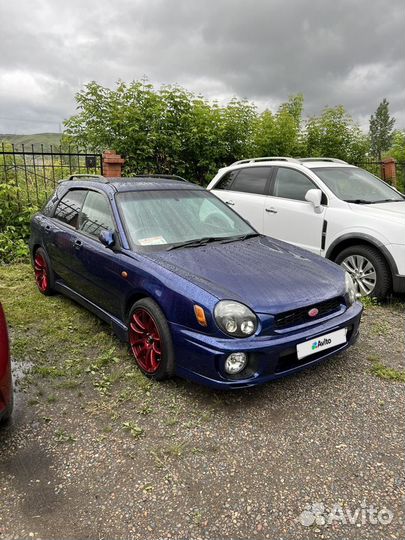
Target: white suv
x,y
328,207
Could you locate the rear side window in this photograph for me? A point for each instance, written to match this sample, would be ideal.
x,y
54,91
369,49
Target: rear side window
x,y
291,184
252,180
96,215
68,209
226,180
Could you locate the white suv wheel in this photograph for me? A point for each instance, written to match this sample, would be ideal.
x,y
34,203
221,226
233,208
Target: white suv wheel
x,y
368,269
363,273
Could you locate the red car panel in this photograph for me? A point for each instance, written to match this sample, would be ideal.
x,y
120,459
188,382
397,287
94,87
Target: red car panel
x,y
6,388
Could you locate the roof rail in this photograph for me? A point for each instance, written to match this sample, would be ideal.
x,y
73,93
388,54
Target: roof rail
x,y
269,158
328,159
162,176
99,177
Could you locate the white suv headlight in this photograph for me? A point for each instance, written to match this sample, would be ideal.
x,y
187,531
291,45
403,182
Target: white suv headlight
x,y
235,318
351,291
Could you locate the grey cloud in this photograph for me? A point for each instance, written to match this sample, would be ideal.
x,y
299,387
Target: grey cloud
x,y
341,52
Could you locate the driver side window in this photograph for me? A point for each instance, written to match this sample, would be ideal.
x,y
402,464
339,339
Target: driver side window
x,y
96,215
291,184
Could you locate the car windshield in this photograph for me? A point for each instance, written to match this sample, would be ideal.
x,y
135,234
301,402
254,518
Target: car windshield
x,y
357,185
164,219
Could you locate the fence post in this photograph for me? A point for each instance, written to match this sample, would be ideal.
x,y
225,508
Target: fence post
x,y
389,170
112,164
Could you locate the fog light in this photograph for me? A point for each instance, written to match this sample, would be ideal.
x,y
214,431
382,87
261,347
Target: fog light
x,y
235,363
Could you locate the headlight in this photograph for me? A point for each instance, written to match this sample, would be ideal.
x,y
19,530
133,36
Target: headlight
x,y
235,319
351,292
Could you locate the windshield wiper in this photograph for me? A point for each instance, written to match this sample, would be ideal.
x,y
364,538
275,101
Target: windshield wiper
x,y
358,201
238,238
197,242
389,200
207,239
363,201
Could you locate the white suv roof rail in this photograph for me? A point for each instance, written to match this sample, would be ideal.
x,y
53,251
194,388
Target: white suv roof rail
x,y
329,159
269,158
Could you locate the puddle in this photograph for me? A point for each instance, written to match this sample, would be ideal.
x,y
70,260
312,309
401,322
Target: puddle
x,y
20,370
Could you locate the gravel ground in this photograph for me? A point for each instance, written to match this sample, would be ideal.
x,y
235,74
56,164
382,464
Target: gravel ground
x,y
105,454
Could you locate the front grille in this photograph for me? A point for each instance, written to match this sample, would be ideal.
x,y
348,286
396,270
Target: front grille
x,y
295,317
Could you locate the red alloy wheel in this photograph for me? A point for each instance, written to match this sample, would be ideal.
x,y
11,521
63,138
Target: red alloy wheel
x,y
41,273
145,341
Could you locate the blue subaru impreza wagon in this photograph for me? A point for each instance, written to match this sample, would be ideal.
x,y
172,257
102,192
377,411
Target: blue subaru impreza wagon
x,y
192,287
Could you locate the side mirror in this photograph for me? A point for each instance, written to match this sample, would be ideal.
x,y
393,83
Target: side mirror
x,y
314,196
107,238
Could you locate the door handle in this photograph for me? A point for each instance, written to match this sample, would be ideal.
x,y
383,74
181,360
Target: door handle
x,y
271,210
78,244
230,203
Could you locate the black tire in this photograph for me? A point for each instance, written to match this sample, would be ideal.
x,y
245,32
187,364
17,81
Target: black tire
x,y
166,360
383,275
49,290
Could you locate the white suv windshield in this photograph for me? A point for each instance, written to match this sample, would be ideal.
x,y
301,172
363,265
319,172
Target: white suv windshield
x,y
356,185
158,219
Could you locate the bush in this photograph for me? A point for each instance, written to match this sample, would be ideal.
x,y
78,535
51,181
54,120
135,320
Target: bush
x,y
15,217
12,246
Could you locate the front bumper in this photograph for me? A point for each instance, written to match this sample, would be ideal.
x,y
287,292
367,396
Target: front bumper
x,y
200,357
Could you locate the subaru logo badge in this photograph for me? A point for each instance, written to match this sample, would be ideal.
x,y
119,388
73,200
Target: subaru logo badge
x,y
313,312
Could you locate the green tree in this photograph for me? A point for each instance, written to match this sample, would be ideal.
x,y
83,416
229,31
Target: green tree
x,y
171,130
125,119
335,134
204,148
381,129
397,149
280,134
237,126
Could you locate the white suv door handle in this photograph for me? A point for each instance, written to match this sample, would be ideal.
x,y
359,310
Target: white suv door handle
x,y
271,210
230,203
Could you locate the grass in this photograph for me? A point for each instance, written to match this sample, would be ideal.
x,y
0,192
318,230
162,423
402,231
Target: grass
x,y
62,437
67,346
133,428
176,450
381,328
369,301
384,372
49,371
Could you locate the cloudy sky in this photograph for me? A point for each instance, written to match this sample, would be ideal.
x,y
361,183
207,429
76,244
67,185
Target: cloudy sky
x,y
347,52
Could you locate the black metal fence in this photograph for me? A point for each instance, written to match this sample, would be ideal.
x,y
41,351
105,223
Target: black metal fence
x,y
376,168
33,171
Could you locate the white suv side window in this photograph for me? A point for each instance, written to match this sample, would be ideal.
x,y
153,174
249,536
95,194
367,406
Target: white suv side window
x,y
291,184
252,180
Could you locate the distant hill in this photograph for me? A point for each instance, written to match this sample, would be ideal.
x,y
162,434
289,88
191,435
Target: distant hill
x,y
37,139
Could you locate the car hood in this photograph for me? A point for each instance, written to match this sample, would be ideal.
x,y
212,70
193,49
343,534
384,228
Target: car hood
x,y
394,211
268,275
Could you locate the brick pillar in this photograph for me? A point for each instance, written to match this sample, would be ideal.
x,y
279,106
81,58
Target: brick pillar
x,y
112,164
389,170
